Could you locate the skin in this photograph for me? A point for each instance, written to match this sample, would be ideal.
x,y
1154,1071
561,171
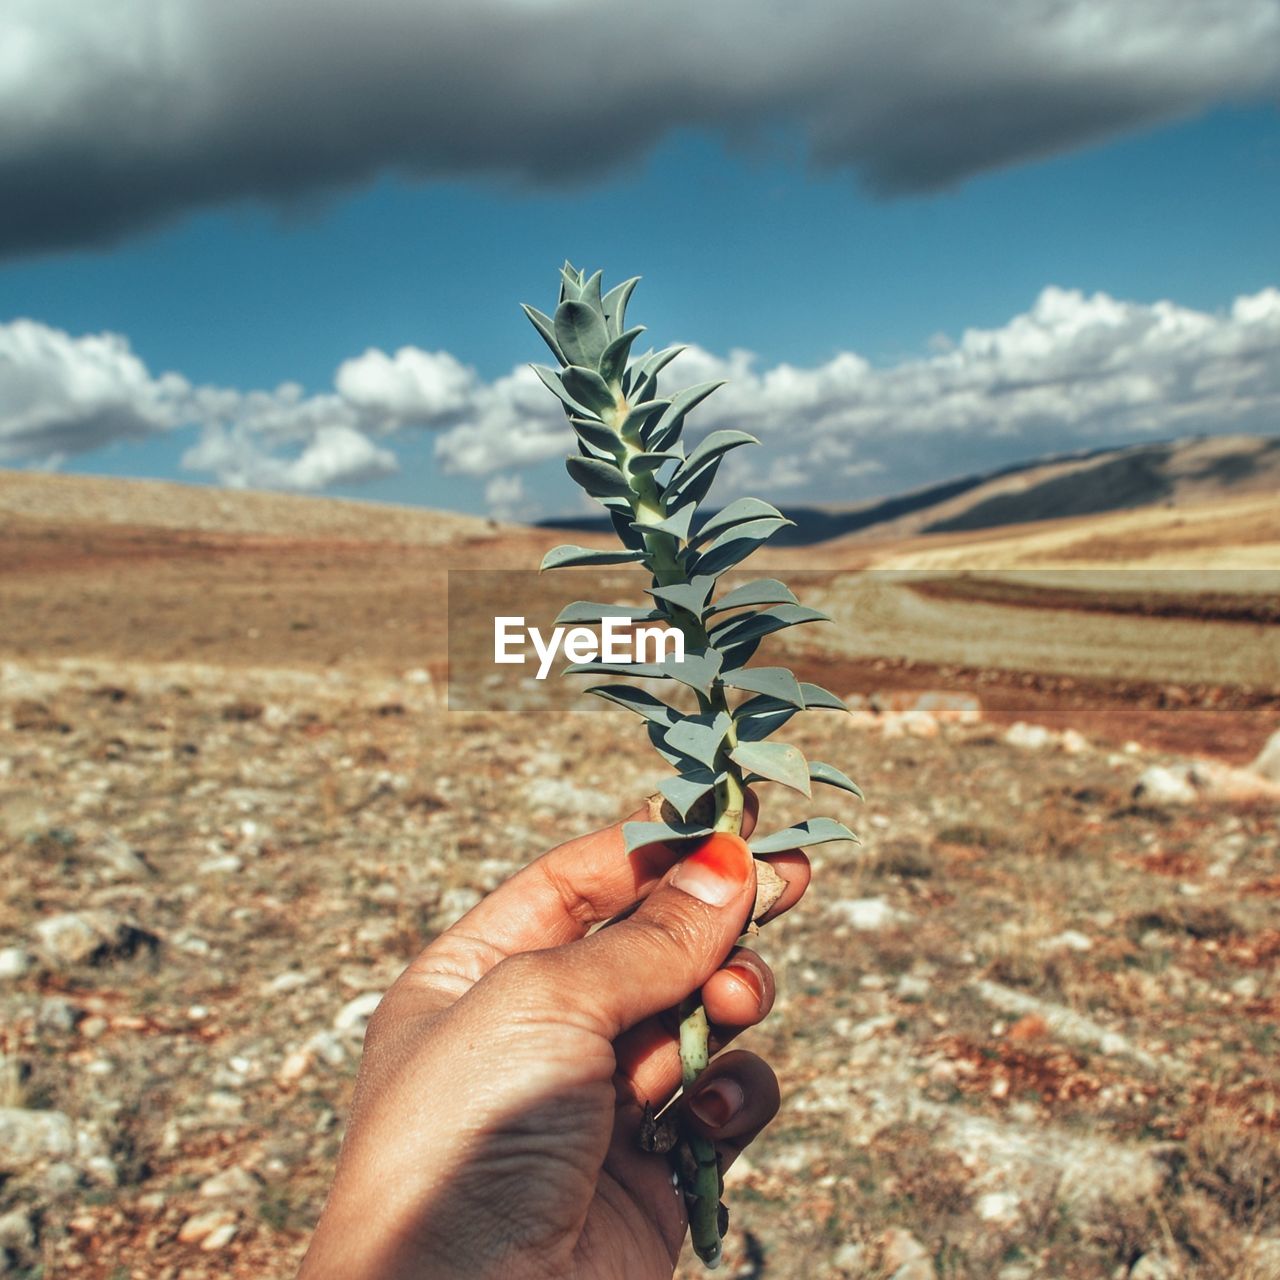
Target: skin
x,y
493,1132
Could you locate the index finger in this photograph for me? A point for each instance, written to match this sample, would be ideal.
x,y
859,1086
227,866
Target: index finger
x,y
555,900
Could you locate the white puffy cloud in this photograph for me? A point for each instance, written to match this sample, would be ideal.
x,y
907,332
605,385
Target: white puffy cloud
x,y
1074,371
61,395
117,117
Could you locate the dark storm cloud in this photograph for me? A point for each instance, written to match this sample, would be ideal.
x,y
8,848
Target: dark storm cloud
x,y
115,118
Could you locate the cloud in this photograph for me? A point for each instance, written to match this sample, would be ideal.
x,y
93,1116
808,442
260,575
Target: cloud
x,y
1074,371
119,117
61,395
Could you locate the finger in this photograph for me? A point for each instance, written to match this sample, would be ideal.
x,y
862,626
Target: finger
x,y
733,1100
676,939
555,900
738,995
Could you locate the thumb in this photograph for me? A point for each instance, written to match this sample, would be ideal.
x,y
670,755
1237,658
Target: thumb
x,y
674,941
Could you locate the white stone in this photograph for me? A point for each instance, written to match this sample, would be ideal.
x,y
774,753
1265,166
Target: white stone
x,y
1073,742
353,1018
17,1231
997,1206
200,1226
223,864
230,1182
866,913
1069,940
1154,1266
1030,737
28,1136
1268,762
1158,785
15,962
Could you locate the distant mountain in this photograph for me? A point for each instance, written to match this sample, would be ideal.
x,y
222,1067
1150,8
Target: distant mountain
x,y
1086,483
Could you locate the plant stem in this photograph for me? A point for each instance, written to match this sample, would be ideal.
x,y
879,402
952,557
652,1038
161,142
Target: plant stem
x,y
703,1188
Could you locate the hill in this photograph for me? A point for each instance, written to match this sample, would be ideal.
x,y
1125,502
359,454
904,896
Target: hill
x,y
1091,483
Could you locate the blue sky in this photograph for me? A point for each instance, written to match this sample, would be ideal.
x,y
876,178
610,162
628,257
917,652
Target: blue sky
x,y
888,314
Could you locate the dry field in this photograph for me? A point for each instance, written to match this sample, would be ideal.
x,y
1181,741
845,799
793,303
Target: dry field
x,y
1026,1031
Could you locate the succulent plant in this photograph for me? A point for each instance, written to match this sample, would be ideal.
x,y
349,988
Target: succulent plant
x,y
632,460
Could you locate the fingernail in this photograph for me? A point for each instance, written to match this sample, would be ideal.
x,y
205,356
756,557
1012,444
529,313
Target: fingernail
x,y
715,873
717,1102
749,979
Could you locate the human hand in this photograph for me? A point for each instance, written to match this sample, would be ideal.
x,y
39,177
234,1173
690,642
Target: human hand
x,y
494,1128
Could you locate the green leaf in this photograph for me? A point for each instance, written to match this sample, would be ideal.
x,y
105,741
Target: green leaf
x,y
757,725
777,682
750,626
551,380
832,776
588,613
643,384
581,333
641,701
740,511
587,387
570,282
716,445
698,670
567,556
676,524
614,305
816,696
803,836
759,591
734,547
646,462
635,424
777,761
636,835
545,326
591,292
686,789
690,596
598,436
699,737
614,359
600,479
671,423
621,521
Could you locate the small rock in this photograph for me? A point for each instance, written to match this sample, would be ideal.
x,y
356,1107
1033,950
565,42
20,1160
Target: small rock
x,y
328,1048
907,1258
866,913
851,1258
1068,940
222,864
353,1018
289,980
998,1206
452,905
1267,764
15,962
56,1015
17,1231
1158,785
1246,988
88,937
28,1136
200,1226
224,1105
910,724
911,986
1154,1266
61,1178
295,1066
1030,737
235,1181
1073,742
219,1237
118,858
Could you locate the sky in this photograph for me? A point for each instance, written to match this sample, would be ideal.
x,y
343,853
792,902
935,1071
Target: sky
x,y
283,246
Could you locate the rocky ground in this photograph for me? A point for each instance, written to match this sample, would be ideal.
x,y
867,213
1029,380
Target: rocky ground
x,y
1027,1030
